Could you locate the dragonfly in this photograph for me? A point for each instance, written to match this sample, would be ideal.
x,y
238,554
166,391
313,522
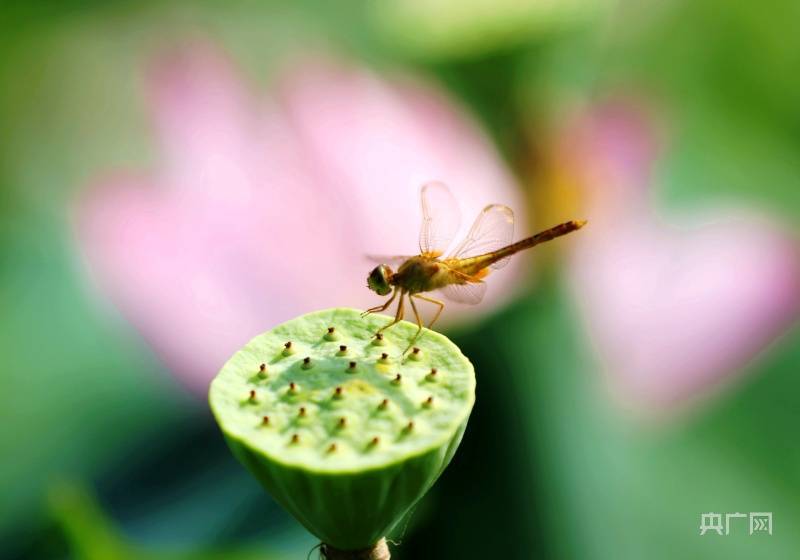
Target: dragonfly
x,y
459,275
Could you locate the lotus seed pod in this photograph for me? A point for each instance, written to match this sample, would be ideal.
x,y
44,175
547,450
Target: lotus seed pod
x,y
345,431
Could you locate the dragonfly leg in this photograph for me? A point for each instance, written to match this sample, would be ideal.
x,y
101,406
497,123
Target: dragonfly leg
x,y
398,316
379,308
435,302
419,323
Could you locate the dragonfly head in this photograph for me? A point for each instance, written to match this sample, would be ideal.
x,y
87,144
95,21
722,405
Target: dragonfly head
x,y
378,280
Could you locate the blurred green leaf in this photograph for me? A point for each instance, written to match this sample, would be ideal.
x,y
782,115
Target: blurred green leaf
x,y
442,29
93,536
73,393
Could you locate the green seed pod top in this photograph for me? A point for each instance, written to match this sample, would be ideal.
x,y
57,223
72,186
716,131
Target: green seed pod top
x,y
331,418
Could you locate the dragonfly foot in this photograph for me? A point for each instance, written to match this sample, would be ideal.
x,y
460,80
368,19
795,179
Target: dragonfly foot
x,y
410,344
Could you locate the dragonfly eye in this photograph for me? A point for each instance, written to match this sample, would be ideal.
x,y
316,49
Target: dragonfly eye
x,y
378,280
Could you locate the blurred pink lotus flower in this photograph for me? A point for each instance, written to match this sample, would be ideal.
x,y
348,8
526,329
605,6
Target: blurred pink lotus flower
x,y
261,210
672,309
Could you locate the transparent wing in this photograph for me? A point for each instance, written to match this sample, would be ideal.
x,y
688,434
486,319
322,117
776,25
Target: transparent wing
x,y
394,260
493,229
471,292
441,218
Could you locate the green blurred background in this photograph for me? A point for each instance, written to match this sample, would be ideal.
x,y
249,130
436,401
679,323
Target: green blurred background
x,y
105,455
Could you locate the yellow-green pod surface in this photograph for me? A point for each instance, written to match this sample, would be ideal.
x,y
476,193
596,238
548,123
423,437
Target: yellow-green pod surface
x,y
343,430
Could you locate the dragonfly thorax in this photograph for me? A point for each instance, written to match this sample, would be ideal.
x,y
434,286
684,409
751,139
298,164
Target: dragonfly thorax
x,y
421,274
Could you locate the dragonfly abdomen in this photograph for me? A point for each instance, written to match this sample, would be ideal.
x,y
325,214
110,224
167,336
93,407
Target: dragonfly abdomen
x,y
472,266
